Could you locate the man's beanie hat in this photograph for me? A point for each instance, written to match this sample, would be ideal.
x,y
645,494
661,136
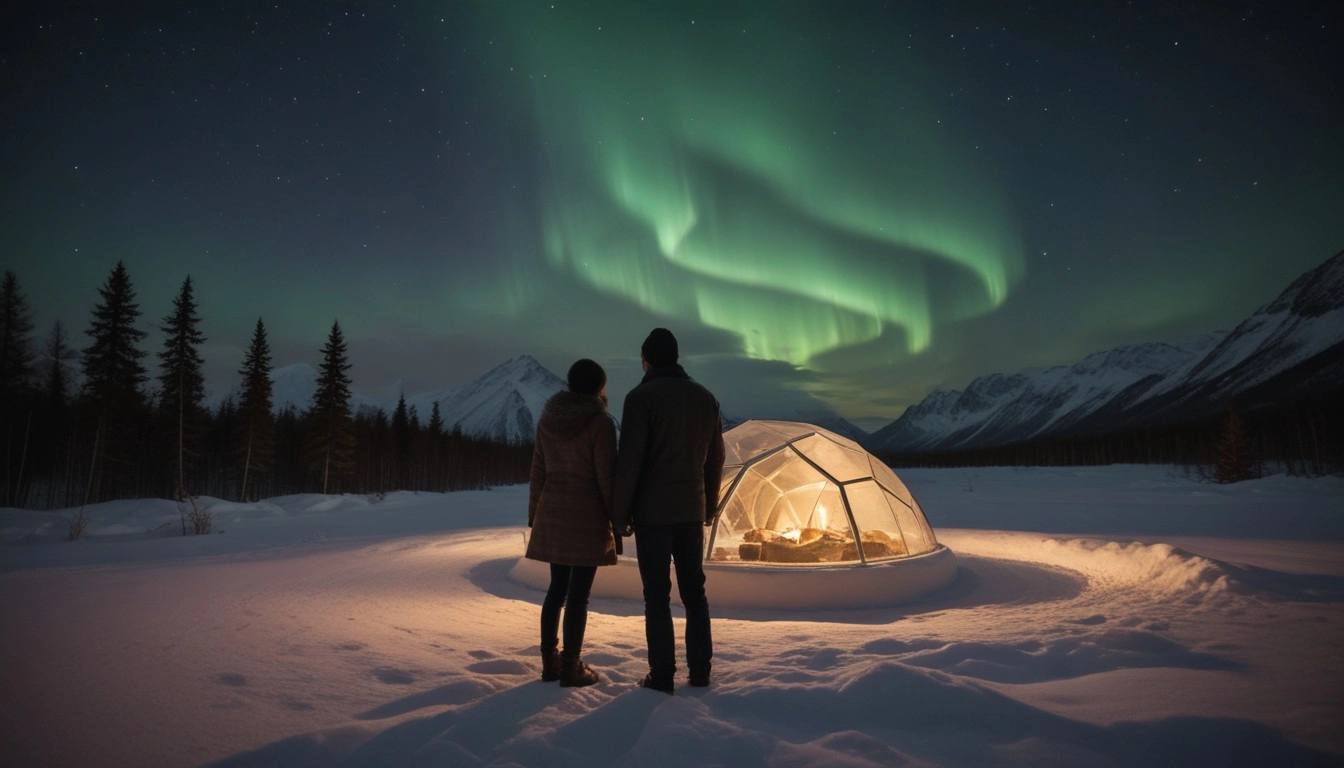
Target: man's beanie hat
x,y
660,348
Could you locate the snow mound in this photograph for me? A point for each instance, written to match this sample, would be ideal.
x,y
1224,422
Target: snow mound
x,y
1156,568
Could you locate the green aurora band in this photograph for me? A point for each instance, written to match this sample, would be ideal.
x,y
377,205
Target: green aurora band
x,y
733,172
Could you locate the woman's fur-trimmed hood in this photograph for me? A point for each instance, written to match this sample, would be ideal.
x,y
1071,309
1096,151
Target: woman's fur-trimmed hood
x,y
566,415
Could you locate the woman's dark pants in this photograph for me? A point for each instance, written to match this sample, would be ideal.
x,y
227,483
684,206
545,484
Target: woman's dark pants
x,y
569,590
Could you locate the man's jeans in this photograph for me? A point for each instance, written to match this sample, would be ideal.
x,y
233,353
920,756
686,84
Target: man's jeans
x,y
658,547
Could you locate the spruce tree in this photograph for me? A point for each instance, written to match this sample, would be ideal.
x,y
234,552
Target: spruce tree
x,y
436,420
115,407
112,369
56,377
1234,461
434,475
182,385
16,373
332,447
255,448
401,439
55,418
16,339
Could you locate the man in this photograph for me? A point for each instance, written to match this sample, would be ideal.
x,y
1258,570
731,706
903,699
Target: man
x,y
668,467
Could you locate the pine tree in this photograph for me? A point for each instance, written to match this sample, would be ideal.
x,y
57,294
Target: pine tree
x,y
332,447
16,339
401,440
16,373
434,474
54,419
115,407
112,369
255,449
436,420
182,385
1234,461
56,378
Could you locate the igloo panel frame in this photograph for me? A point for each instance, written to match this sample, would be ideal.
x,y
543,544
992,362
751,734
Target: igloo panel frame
x,y
889,495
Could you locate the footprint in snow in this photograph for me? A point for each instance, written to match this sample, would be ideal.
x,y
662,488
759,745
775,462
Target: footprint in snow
x,y
500,667
232,678
393,676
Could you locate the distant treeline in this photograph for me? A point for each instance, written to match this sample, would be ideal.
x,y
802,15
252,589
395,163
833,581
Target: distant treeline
x,y
1297,438
123,432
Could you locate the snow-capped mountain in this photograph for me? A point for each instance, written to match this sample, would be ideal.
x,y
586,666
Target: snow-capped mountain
x,y
1288,347
502,404
1291,347
1004,408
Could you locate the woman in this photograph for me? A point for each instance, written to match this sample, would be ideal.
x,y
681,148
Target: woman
x,y
569,512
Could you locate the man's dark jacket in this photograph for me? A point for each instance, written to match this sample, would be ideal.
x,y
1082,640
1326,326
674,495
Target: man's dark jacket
x,y
670,461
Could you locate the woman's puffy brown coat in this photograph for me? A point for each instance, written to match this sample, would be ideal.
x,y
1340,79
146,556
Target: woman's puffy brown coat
x,y
573,469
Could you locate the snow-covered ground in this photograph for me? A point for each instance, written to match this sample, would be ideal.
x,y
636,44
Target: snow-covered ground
x,y
1114,616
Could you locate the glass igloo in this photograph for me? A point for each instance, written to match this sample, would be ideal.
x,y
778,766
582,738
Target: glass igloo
x,y
797,494
807,520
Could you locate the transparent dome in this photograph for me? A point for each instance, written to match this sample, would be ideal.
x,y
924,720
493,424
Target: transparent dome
x,y
795,493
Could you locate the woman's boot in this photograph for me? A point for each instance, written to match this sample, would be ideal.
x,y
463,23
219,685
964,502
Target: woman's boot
x,y
574,673
550,665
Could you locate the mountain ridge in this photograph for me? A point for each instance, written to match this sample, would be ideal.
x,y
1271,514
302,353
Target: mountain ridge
x,y
1292,346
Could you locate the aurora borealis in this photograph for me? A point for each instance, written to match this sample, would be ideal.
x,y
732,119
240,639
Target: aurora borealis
x,y
707,185
836,206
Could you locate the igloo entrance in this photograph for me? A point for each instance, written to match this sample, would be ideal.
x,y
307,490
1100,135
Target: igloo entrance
x,y
797,494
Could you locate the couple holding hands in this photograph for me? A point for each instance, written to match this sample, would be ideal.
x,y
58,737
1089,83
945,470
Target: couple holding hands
x,y
661,484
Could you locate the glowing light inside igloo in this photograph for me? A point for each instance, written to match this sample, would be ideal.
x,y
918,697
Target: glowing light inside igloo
x,y
795,493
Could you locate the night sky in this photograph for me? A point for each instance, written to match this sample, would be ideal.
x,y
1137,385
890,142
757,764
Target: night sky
x,y
833,205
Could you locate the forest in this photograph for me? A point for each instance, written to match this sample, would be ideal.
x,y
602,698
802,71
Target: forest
x,y
87,425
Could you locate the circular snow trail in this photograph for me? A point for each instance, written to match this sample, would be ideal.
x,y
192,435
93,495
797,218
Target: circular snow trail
x,y
798,587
